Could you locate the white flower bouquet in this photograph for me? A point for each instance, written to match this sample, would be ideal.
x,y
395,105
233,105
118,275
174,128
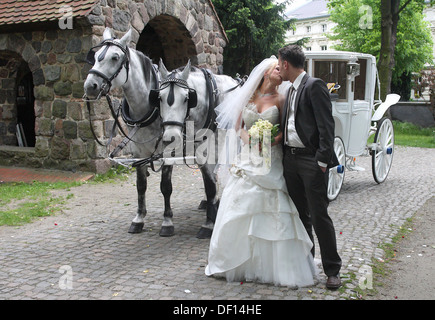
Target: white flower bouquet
x,y
262,130
261,136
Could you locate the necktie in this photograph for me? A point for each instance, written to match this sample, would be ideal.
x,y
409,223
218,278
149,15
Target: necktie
x,y
292,91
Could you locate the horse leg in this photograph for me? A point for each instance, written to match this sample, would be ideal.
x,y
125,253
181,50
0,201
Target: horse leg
x,y
167,228
209,179
141,186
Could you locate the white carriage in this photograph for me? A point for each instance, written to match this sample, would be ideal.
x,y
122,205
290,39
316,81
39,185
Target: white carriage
x,y
352,79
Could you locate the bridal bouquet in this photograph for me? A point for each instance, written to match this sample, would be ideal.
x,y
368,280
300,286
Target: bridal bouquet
x,y
261,135
262,130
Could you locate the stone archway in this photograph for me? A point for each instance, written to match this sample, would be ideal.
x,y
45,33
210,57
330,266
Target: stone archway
x,y
171,29
167,38
17,101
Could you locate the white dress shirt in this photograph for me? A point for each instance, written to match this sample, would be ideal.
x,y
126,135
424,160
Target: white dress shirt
x,y
293,139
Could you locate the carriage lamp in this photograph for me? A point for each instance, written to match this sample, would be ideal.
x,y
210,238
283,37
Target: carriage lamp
x,y
353,68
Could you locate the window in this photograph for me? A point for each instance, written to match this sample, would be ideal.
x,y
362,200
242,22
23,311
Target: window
x,y
360,81
324,27
308,48
332,72
308,29
323,48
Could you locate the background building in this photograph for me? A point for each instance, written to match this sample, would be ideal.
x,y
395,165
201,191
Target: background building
x,y
312,22
43,46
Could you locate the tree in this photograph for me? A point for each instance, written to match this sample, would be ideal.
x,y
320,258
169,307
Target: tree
x,y
402,46
255,29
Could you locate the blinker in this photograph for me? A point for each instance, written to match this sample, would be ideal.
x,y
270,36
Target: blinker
x,y
103,54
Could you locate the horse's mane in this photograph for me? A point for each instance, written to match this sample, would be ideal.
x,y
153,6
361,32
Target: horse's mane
x,y
147,65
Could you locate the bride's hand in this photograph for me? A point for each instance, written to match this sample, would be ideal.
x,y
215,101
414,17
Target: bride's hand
x,y
244,135
278,139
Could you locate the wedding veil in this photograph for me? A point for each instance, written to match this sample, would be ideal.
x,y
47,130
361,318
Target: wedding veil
x,y
228,114
230,109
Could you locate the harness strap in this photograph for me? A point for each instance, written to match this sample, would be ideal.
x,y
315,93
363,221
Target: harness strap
x,y
124,142
172,123
90,124
211,89
145,121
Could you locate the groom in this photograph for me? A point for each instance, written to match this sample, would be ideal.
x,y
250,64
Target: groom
x,y
308,137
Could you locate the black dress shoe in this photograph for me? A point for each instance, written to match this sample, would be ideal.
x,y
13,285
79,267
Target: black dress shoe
x,y
333,282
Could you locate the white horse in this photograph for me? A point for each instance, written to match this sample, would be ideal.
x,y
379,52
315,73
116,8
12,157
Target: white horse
x,y
116,65
187,98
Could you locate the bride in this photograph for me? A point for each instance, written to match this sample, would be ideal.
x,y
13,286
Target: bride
x,y
258,235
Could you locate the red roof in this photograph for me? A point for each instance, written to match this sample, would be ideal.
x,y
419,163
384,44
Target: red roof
x,y
26,11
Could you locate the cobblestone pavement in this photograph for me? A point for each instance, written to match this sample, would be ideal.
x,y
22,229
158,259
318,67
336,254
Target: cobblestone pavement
x,y
88,242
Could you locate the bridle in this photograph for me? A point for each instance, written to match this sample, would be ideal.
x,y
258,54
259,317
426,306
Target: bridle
x,y
146,120
191,98
90,58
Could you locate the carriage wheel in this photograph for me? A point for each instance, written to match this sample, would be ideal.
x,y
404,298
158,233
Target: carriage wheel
x,y
382,153
336,174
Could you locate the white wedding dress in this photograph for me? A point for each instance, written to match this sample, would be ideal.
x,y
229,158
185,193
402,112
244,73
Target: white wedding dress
x,y
258,235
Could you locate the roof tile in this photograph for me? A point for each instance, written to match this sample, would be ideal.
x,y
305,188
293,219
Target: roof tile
x,y
27,11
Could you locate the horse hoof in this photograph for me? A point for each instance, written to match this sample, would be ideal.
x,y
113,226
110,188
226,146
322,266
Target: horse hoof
x,y
204,233
167,231
136,227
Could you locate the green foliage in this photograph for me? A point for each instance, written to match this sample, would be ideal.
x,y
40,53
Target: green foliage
x,y
414,40
255,29
23,202
408,134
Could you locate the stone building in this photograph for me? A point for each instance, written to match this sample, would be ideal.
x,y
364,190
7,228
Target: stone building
x,y
43,46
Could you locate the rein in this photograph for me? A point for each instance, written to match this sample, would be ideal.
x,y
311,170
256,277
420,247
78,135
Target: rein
x,y
123,109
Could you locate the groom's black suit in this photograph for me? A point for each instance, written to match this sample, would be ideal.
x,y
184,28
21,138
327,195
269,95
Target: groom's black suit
x,y
306,183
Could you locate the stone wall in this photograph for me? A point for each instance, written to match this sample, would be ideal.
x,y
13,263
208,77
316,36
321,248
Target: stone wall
x,y
9,64
56,60
187,29
418,113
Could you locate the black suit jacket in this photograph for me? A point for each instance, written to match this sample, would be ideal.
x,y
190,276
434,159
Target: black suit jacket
x,y
313,119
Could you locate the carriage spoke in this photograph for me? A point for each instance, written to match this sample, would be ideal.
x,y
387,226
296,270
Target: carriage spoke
x,y
335,177
383,153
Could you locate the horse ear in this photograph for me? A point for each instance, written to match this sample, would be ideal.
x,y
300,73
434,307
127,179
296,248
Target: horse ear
x,y
186,71
107,34
163,71
125,40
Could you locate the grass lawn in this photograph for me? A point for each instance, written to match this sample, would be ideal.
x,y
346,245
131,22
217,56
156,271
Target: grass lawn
x,y
410,135
21,203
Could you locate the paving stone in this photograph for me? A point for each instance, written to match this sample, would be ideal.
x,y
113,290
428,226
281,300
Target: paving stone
x,y
109,263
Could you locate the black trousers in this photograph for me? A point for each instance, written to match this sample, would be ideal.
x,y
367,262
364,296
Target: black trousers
x,y
307,185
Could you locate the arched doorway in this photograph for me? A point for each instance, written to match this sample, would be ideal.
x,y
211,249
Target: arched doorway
x,y
166,37
25,102
17,113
